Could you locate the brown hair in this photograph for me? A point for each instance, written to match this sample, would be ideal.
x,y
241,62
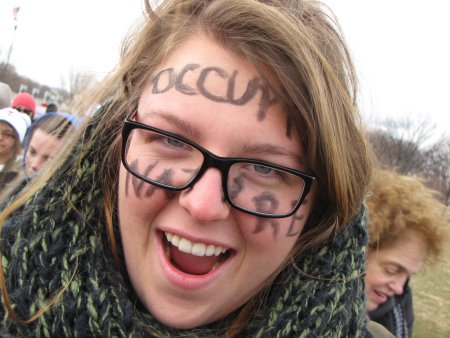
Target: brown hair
x,y
52,124
399,203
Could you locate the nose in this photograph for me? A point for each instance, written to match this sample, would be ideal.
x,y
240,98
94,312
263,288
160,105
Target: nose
x,y
205,200
397,285
34,165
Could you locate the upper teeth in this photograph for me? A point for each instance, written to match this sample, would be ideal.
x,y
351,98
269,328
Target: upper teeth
x,y
197,249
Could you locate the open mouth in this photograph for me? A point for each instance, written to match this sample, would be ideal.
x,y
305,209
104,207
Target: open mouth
x,y
194,258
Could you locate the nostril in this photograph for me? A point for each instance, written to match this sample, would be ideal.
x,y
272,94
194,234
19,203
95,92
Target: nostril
x,y
205,201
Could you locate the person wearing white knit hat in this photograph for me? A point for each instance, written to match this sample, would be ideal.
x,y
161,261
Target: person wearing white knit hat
x,y
13,127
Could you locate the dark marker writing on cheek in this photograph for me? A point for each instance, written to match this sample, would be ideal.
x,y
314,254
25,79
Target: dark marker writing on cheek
x,y
236,188
164,178
266,203
137,183
297,217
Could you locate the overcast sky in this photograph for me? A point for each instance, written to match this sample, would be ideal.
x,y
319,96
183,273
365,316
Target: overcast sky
x,y
54,36
400,47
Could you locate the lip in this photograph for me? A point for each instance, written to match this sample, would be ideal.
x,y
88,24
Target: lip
x,y
379,297
184,280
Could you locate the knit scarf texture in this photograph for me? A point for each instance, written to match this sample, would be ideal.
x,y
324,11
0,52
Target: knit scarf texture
x,y
54,242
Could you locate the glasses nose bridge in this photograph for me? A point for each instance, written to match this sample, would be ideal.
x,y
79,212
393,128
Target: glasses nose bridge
x,y
213,161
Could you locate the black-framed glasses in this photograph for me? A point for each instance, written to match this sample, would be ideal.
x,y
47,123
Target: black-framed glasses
x,y
172,162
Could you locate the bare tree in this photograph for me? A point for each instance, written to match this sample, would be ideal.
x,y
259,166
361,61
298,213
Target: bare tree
x,y
400,144
438,167
77,82
407,146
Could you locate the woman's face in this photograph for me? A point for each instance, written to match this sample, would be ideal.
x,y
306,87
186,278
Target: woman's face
x,y
195,94
41,148
8,139
388,269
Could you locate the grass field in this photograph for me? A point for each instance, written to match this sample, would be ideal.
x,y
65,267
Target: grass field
x,y
431,290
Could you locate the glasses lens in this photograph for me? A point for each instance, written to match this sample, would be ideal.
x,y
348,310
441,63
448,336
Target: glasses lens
x,y
162,159
264,189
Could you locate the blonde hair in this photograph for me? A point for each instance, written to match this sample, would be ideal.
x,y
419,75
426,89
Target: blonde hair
x,y
399,203
298,47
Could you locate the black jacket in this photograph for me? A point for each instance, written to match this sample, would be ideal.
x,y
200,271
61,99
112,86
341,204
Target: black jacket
x,y
396,314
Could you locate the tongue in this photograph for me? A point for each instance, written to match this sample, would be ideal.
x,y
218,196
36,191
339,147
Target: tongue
x,y
191,264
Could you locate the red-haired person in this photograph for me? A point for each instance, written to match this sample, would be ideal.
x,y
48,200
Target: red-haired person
x,y
407,229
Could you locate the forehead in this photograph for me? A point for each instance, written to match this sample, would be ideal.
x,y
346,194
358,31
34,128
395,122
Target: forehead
x,y
204,51
408,252
6,126
202,70
43,139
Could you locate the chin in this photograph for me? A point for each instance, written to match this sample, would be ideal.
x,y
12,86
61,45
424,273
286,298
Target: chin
x,y
181,318
371,306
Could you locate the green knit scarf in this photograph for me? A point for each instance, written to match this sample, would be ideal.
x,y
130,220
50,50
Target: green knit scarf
x,y
49,244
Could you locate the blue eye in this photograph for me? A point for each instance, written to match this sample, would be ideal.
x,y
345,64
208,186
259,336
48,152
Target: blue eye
x,y
262,169
175,143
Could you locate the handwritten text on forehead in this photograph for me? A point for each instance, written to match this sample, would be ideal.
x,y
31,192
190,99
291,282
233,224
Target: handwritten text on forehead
x,y
257,88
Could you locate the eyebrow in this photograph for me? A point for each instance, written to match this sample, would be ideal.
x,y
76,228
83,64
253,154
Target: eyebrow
x,y
270,149
251,149
179,123
401,267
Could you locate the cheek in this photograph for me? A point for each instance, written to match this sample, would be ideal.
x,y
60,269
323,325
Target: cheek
x,y
10,144
138,203
271,239
279,228
375,276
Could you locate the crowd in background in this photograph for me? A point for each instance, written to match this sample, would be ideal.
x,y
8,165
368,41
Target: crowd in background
x,y
28,138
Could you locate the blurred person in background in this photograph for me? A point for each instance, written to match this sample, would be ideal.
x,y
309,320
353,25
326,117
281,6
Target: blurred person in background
x,y
408,227
13,126
6,95
44,139
24,103
51,108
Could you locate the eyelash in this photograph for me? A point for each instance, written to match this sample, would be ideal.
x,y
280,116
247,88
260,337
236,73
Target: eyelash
x,y
390,272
